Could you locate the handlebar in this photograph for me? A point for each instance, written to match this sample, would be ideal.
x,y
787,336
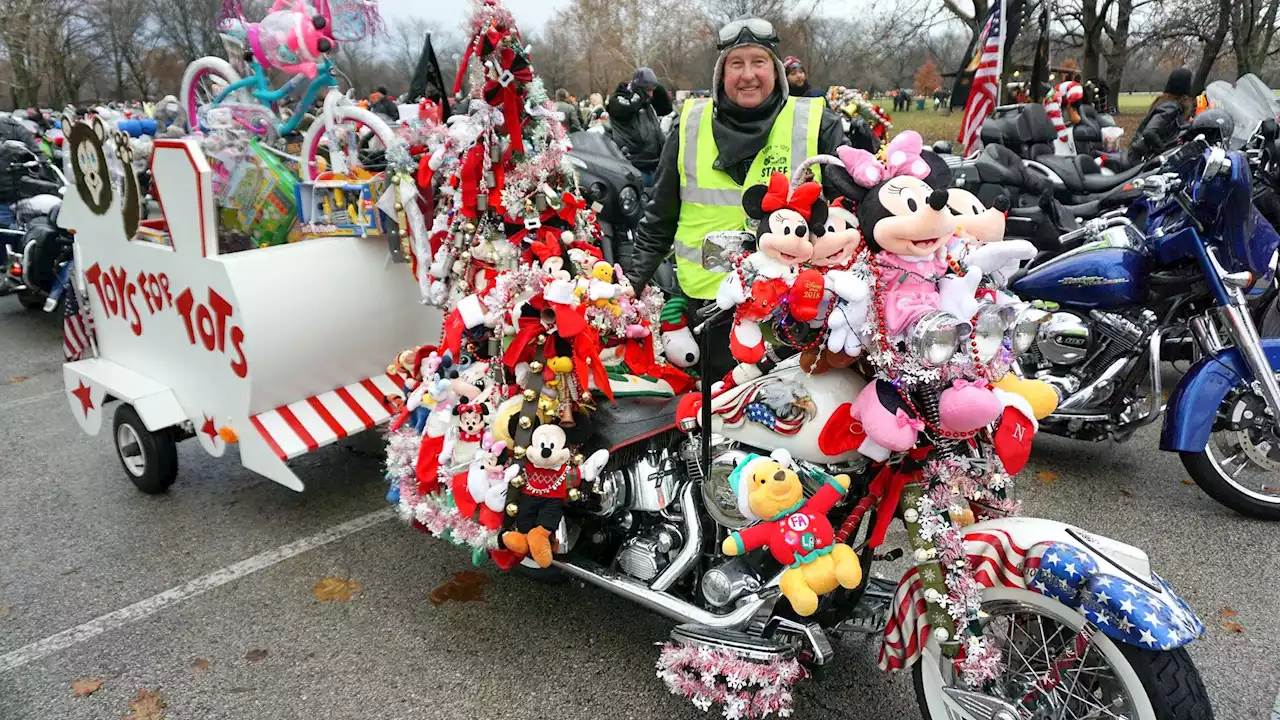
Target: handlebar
x,y
1093,227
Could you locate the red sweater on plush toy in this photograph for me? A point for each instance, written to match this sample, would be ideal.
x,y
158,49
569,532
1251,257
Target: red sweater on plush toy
x,y
799,534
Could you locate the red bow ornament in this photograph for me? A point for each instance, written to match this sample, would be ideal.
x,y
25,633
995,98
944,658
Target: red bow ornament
x,y
779,196
570,207
547,245
504,91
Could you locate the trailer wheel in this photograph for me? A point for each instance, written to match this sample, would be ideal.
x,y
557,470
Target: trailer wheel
x,y
150,459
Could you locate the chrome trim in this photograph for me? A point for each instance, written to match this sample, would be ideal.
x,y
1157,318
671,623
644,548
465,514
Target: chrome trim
x,y
1205,331
1156,406
1250,344
671,606
1085,395
688,555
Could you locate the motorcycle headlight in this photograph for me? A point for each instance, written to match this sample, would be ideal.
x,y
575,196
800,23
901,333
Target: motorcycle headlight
x,y
1026,328
933,338
992,324
629,200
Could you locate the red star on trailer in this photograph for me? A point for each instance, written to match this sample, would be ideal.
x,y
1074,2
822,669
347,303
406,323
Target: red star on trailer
x,y
82,394
209,429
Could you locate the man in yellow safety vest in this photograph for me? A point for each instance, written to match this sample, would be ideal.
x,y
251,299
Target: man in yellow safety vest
x,y
748,130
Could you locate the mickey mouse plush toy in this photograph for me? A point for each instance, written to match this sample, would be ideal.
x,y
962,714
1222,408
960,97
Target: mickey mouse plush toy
x,y
772,275
548,477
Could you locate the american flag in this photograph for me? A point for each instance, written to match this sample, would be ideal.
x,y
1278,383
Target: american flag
x,y
77,327
984,93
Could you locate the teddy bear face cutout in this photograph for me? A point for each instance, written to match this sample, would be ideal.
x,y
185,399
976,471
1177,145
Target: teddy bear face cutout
x,y
773,489
548,447
907,217
839,241
974,221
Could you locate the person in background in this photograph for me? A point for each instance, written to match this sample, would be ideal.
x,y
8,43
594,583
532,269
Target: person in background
x,y
1169,115
572,120
383,104
634,109
798,79
595,109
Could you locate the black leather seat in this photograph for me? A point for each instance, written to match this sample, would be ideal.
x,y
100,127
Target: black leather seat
x,y
632,419
1081,176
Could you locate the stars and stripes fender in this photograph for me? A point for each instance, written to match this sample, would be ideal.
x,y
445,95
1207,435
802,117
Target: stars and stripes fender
x,y
1111,584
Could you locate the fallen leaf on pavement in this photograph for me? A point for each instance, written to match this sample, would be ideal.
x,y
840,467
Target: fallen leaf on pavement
x,y
88,686
14,379
1047,476
1232,626
147,706
5,610
200,664
465,586
335,589
1227,612
255,655
1126,493
1188,481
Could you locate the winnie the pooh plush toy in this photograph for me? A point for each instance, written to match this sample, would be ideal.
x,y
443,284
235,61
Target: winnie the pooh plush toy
x,y
796,531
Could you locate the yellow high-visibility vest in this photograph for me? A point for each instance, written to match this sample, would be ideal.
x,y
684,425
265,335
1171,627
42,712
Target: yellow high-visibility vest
x,y
710,201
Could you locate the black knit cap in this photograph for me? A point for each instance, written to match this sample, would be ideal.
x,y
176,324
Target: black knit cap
x,y
1179,82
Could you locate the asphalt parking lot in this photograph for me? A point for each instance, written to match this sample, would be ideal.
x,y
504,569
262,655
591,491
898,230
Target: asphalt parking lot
x,y
82,551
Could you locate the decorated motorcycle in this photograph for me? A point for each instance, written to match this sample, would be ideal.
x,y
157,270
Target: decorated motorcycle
x,y
549,430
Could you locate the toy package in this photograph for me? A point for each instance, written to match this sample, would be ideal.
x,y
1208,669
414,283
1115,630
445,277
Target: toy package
x,y
258,198
339,205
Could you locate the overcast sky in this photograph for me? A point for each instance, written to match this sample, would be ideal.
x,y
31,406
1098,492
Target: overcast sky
x,y
532,14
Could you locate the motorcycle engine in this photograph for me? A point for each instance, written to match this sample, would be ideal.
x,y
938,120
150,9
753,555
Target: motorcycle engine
x,y
1064,340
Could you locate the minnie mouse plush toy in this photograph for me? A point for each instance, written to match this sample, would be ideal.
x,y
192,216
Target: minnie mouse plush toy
x,y
771,277
906,226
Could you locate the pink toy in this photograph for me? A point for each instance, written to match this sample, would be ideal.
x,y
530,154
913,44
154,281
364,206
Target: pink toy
x,y
296,35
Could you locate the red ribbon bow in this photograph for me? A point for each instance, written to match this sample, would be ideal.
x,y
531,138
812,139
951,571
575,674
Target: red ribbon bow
x,y
778,197
504,91
547,245
469,408
569,210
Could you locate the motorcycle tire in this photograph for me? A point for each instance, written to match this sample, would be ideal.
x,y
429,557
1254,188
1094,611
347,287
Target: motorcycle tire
x,y
153,465
32,300
1270,326
1169,680
1205,473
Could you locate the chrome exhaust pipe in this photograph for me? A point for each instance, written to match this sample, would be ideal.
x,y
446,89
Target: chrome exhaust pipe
x,y
1085,395
688,555
672,607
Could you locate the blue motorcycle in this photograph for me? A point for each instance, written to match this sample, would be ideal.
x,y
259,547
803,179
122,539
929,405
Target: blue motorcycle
x,y
1182,259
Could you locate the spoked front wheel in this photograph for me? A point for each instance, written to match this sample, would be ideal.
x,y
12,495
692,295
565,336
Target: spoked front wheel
x,y
1109,681
1240,465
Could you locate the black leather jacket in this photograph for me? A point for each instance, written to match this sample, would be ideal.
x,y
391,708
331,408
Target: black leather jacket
x,y
1158,129
633,120
657,230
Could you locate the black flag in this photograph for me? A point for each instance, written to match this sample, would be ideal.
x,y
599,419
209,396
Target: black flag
x,y
964,76
1040,69
427,81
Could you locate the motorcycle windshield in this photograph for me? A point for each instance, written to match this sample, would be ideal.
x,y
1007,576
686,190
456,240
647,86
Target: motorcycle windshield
x,y
1263,96
1243,109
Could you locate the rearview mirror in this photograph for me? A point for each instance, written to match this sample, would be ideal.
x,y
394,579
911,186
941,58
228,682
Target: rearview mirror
x,y
719,249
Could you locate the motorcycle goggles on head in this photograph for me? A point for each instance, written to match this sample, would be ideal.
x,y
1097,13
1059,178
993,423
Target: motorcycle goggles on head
x,y
749,30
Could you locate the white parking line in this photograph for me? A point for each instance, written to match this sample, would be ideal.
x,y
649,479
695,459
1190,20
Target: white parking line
x,y
30,400
155,603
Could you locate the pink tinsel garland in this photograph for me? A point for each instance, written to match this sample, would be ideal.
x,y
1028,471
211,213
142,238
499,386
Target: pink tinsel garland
x,y
749,689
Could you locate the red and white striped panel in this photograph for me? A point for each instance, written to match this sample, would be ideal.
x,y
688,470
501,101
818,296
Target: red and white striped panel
x,y
298,428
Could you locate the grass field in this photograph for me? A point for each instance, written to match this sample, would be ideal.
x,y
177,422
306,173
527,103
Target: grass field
x,y
934,126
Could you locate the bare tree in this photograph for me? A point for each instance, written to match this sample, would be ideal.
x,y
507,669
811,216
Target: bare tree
x,y
1253,32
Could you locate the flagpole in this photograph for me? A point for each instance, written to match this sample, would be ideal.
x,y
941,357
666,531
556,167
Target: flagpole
x,y
1004,33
